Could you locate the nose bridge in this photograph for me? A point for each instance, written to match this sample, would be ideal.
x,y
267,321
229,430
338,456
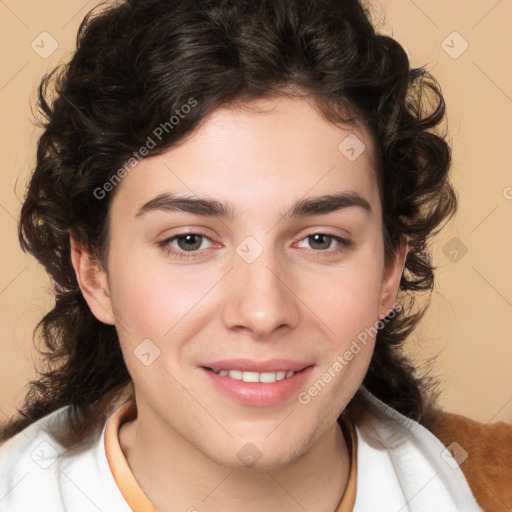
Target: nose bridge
x,y
260,298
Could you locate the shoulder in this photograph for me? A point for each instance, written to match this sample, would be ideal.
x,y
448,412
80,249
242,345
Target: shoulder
x,y
484,454
27,462
38,473
422,470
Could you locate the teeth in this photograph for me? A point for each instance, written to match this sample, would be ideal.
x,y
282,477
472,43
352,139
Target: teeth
x,y
267,377
249,376
235,374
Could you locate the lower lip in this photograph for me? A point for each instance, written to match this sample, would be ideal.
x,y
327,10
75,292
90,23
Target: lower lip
x,y
257,393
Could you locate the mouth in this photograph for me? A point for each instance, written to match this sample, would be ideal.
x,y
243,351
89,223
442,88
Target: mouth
x,y
261,384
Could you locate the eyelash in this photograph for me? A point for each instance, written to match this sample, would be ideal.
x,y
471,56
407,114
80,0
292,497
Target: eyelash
x,y
165,244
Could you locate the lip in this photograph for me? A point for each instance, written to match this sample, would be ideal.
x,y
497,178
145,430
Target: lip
x,y
257,393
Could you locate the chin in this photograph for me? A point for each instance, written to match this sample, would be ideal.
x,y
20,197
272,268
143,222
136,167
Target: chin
x,y
260,455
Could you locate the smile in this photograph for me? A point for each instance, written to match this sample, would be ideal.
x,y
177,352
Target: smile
x,y
258,388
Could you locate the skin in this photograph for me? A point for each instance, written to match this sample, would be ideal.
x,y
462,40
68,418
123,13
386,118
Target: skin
x,y
297,300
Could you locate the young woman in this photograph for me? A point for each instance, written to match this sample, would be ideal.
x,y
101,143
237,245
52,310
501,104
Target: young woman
x,y
233,200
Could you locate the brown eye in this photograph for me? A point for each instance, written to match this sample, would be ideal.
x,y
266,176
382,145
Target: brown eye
x,y
322,242
189,242
184,245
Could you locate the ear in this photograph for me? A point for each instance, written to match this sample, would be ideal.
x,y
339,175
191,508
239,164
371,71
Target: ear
x,y
391,280
93,282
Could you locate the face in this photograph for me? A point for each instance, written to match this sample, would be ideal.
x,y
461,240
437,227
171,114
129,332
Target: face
x,y
264,287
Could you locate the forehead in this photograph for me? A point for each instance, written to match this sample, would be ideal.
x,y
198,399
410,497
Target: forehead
x,y
262,153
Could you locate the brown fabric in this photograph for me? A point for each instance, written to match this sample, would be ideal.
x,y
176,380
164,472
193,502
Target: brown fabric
x,y
488,466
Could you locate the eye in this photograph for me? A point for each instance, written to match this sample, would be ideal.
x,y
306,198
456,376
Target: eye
x,y
191,245
188,244
323,242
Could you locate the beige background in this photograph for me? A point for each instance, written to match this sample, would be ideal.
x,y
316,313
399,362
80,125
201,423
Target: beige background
x,y
470,319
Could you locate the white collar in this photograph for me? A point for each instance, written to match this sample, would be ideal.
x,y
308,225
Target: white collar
x,y
402,466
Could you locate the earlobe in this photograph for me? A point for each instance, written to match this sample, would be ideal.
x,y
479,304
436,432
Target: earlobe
x,y
92,279
391,280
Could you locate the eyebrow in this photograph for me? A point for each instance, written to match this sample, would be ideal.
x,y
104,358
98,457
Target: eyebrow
x,y
206,207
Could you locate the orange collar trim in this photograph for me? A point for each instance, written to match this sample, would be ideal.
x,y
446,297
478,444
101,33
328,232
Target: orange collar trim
x,y
129,487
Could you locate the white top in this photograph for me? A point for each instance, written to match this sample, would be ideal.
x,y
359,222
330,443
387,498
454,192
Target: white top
x,y
401,467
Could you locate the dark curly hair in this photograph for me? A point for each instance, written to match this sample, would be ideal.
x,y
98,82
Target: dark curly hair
x,y
136,64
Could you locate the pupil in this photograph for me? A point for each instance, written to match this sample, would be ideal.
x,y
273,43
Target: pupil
x,y
317,236
189,246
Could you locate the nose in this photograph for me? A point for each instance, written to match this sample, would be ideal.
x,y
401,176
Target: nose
x,y
261,298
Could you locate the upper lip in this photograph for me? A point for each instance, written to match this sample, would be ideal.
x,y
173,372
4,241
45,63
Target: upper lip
x,y
250,365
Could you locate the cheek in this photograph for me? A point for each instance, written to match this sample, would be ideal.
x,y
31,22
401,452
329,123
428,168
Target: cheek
x,y
349,315
149,297
347,300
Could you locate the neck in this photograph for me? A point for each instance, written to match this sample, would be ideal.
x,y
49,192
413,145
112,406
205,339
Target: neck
x,y
177,476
